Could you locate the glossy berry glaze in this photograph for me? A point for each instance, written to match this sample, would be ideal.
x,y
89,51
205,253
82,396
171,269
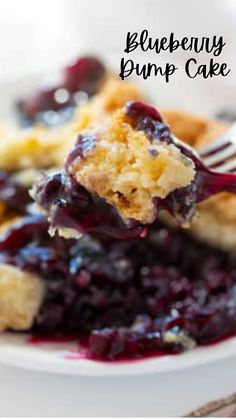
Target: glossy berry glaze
x,y
54,104
69,205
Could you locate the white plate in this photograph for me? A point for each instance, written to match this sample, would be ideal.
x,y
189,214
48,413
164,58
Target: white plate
x,y
15,351
64,358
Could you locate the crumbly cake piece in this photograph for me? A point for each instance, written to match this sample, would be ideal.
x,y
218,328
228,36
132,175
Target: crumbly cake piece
x,y
128,170
21,294
27,148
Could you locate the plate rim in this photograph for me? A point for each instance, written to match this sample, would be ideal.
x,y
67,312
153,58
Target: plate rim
x,y
53,358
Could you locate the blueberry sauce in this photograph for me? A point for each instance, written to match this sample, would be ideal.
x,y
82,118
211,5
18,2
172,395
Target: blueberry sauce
x,y
54,104
127,299
71,206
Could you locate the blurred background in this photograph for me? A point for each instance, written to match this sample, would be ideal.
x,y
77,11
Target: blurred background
x,y
37,37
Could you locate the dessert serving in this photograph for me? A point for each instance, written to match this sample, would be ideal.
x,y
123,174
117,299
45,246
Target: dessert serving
x,y
118,173
98,257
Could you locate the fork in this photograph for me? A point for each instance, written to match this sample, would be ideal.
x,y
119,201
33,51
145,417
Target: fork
x,y
220,155
215,164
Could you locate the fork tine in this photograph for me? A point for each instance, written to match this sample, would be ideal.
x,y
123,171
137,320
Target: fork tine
x,y
219,157
228,137
213,147
230,166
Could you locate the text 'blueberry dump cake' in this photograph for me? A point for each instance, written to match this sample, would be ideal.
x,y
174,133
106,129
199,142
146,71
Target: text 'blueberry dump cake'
x,y
122,290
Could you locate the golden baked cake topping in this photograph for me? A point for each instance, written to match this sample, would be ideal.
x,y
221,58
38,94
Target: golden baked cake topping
x,y
121,165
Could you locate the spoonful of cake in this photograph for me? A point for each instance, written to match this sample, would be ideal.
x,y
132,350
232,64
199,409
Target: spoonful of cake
x,y
120,175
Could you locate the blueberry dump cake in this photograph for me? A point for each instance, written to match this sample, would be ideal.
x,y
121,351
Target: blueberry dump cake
x,y
164,292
